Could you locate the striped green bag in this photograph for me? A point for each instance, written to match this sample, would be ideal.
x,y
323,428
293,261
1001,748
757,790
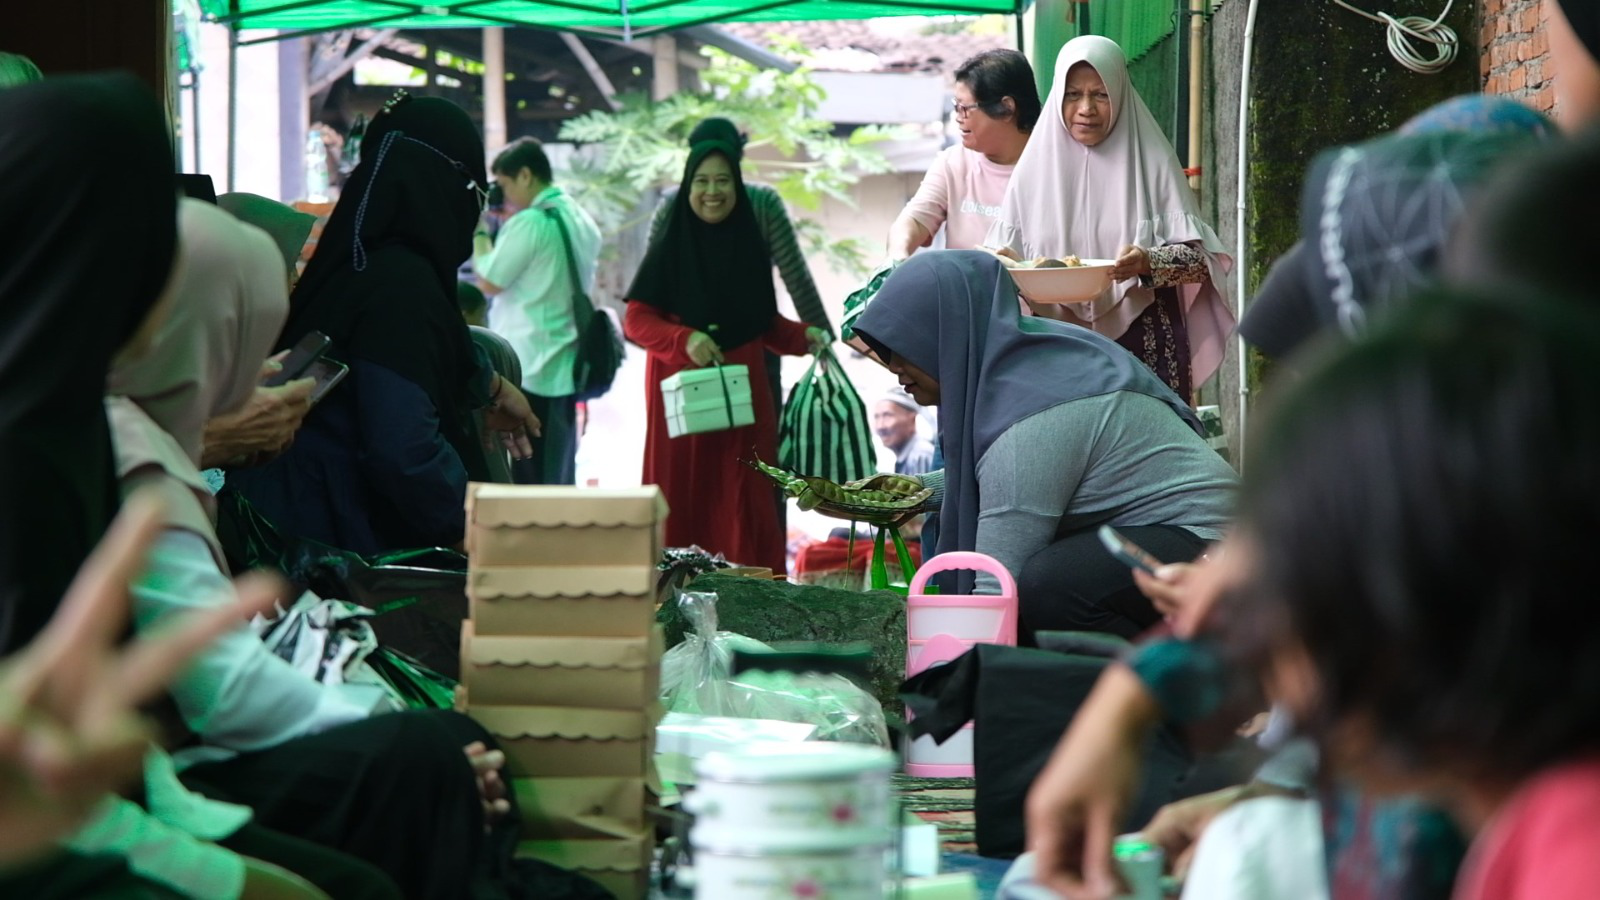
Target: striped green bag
x,y
824,428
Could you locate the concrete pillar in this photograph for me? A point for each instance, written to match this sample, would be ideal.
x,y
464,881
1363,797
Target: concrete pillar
x,y
494,89
664,80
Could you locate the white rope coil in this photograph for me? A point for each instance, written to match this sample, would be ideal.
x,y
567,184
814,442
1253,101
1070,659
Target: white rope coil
x,y
1412,38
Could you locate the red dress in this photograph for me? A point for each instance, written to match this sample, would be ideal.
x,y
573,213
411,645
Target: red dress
x,y
715,500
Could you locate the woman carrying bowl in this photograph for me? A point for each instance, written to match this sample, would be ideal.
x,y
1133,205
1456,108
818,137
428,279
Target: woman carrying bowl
x,y
1049,431
1099,180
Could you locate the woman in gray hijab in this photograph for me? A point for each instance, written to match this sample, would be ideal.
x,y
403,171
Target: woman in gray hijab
x,y
1049,431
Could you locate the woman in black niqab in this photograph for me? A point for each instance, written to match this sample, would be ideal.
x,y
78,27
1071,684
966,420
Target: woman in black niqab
x,y
86,248
713,279
382,463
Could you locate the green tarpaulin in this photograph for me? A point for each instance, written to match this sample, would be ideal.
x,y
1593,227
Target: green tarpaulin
x,y
640,17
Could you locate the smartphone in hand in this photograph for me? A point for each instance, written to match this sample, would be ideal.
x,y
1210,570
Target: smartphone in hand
x,y
1128,552
327,372
305,352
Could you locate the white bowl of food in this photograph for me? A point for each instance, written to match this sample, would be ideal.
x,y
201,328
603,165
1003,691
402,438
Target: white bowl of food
x,y
1064,280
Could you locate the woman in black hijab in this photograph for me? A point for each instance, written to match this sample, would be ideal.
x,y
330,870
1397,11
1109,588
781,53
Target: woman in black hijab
x,y
704,295
383,462
88,249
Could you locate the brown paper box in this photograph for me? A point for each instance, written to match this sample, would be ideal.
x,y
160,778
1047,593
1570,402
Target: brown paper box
x,y
537,525
587,673
583,601
552,742
581,808
620,866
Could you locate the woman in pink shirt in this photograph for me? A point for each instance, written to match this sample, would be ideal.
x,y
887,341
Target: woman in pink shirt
x,y
995,107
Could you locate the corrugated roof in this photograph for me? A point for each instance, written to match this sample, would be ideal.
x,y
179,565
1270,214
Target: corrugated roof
x,y
920,45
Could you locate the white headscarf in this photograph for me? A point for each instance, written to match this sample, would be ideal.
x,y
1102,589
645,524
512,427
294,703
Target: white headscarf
x,y
228,307
1066,198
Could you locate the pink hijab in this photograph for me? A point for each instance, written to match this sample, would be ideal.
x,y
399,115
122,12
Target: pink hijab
x,y
1128,189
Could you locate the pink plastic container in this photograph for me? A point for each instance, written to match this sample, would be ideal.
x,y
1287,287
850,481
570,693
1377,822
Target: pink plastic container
x,y
941,627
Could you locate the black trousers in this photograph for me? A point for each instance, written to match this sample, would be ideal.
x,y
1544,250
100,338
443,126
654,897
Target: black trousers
x,y
336,874
395,790
555,451
72,876
1075,585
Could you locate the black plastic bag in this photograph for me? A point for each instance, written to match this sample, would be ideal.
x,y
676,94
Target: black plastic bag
x,y
1021,701
419,595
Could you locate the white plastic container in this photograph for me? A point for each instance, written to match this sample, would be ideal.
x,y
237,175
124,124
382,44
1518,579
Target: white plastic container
x,y
951,759
778,792
809,819
798,867
716,398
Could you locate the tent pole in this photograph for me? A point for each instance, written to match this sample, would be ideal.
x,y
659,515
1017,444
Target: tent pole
x,y
233,96
194,114
1022,41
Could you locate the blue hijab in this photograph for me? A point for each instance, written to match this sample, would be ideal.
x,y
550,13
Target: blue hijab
x,y
954,314
1375,216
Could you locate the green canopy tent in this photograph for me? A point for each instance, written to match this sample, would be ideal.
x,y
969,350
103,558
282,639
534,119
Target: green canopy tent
x,y
624,19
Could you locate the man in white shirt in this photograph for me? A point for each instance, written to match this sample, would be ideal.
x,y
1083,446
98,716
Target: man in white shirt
x,y
526,270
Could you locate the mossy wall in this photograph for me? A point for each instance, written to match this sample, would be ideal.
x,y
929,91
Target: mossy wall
x,y
1321,76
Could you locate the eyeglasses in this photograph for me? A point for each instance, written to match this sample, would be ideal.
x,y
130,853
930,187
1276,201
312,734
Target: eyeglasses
x,y
962,110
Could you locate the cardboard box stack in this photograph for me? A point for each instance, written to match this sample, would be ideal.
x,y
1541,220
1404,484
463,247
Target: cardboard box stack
x,y
561,661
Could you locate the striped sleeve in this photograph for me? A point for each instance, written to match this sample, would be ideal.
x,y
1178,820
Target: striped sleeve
x,y
778,232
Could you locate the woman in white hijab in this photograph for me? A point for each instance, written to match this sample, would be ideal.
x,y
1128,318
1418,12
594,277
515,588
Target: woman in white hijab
x,y
1100,180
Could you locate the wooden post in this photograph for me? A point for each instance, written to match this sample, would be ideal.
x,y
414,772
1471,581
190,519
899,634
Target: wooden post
x,y
494,89
664,80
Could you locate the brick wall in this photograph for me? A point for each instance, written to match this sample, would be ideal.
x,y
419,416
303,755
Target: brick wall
x,y
1515,52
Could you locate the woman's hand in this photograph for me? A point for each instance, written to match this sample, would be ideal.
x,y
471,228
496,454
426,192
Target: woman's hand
x,y
702,350
1076,804
1186,593
1177,827
513,418
261,429
1131,263
486,764
818,339
70,727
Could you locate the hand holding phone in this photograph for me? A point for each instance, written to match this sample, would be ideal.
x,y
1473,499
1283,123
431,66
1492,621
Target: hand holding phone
x,y
305,352
1128,552
327,372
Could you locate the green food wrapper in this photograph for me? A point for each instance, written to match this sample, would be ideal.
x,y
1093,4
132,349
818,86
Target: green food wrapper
x,y
858,300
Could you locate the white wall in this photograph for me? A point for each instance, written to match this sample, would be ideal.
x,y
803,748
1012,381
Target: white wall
x,y
257,163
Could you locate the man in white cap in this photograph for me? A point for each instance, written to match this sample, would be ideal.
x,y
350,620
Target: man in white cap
x,y
894,420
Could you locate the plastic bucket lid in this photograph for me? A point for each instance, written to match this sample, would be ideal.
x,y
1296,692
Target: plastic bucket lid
x,y
758,842
807,761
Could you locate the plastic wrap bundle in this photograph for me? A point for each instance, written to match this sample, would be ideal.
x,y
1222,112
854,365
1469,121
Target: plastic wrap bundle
x,y
696,679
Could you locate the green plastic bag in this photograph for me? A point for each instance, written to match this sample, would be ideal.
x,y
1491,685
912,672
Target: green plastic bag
x,y
857,302
880,565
